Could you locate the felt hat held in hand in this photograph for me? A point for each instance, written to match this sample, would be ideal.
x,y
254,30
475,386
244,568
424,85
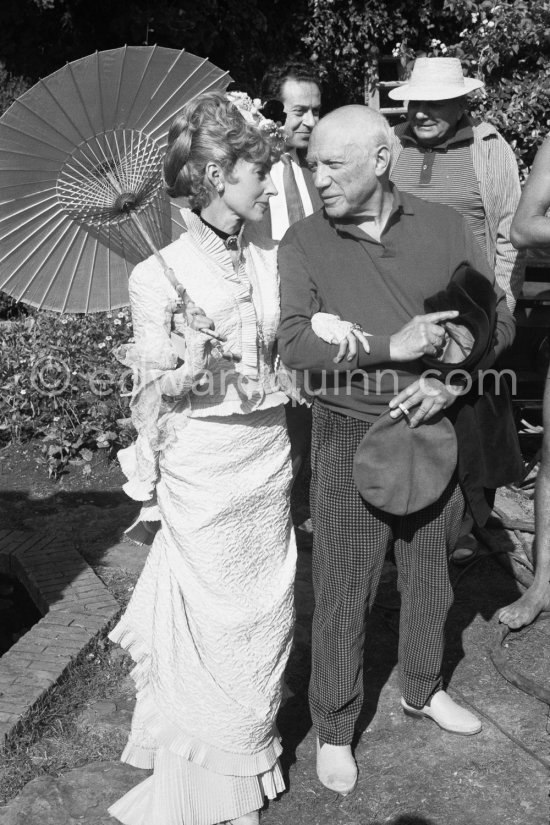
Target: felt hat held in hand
x,y
400,469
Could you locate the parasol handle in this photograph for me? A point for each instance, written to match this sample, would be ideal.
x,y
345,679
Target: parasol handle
x,y
180,289
127,205
182,293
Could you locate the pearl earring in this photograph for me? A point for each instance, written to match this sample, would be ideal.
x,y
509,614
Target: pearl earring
x,y
219,187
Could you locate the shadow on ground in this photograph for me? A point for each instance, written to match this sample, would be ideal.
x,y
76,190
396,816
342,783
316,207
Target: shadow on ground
x,y
410,773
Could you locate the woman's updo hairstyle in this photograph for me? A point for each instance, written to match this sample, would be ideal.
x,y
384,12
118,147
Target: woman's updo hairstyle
x,y
210,128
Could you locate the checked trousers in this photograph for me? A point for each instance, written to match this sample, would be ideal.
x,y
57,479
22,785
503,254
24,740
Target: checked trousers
x,y
350,539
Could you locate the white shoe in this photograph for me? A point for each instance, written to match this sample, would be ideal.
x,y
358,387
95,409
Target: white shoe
x,y
336,768
447,714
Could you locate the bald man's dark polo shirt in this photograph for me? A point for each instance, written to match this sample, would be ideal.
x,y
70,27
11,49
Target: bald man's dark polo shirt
x,y
333,266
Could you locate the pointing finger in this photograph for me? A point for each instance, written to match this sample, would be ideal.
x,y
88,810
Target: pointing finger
x,y
438,317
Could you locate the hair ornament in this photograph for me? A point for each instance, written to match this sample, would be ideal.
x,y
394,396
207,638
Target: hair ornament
x,y
252,112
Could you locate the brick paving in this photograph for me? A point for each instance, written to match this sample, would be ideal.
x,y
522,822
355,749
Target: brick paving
x,y
76,607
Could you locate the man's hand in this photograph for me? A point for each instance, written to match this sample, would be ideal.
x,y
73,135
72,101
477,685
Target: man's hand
x,y
348,344
431,394
423,335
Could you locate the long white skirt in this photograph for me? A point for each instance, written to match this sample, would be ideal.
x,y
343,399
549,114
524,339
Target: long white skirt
x,y
210,624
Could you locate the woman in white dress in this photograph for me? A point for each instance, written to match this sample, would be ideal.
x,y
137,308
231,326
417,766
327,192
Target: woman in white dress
x,y
210,621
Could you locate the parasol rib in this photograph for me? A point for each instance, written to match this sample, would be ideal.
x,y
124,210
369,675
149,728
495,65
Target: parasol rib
x,y
23,225
117,160
73,277
23,202
39,194
75,268
178,90
119,84
21,212
49,252
83,102
37,273
100,92
109,301
129,117
32,252
24,134
57,270
65,113
90,282
168,120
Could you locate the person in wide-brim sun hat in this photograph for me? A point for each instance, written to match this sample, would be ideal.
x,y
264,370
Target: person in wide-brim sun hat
x,y
436,78
444,155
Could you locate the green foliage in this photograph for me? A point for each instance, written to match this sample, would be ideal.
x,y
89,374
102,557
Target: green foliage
x,y
506,44
241,37
10,88
61,382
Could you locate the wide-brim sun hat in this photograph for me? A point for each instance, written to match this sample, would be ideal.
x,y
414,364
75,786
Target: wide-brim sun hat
x,y
436,78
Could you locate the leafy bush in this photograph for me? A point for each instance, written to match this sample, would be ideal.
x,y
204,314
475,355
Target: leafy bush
x,y
11,87
61,382
506,44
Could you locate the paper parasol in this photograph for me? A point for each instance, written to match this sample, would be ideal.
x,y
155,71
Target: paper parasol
x,y
81,193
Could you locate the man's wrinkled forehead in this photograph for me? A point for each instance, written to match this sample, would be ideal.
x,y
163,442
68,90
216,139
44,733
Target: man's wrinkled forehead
x,y
331,146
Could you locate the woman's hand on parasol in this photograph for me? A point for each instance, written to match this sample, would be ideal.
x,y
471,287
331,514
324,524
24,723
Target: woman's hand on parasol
x,y
196,319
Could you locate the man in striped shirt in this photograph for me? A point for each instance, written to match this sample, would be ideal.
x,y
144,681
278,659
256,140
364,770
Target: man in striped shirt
x,y
441,155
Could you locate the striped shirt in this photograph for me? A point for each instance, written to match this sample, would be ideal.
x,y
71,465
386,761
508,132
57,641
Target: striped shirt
x,y
443,176
496,172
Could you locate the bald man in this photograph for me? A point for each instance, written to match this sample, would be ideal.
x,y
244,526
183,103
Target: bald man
x,y
372,256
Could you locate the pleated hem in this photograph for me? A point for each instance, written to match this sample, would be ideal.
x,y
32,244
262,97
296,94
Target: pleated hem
x,y
180,793
131,809
167,736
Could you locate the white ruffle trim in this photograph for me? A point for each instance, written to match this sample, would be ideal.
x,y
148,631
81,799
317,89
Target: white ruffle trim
x,y
136,487
165,733
190,795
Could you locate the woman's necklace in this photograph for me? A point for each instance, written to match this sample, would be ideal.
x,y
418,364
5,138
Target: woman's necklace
x,y
230,241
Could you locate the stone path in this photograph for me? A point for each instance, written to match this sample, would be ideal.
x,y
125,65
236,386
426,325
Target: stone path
x,y
411,773
76,607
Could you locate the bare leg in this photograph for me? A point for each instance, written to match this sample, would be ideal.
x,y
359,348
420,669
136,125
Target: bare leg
x,y
537,598
526,609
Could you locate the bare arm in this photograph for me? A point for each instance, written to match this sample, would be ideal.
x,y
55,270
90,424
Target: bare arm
x,y
537,597
530,226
